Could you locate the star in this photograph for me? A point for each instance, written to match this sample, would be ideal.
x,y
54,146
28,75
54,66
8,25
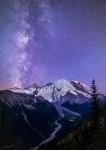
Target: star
x,y
45,40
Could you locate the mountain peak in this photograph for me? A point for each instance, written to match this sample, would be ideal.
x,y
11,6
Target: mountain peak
x,y
58,89
33,86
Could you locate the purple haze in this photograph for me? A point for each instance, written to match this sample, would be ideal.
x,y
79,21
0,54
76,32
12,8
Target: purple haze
x,y
45,40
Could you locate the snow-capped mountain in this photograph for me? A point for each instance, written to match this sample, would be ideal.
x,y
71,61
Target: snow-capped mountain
x,y
29,90
57,90
23,91
29,108
63,94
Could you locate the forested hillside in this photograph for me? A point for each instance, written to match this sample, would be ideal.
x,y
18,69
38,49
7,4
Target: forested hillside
x,y
85,137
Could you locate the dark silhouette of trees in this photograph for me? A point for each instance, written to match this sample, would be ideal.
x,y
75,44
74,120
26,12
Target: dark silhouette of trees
x,y
2,124
94,98
95,105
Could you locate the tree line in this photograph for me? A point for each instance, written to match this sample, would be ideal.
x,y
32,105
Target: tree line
x,y
79,138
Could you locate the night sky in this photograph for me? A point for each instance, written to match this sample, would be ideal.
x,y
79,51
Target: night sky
x,y
46,40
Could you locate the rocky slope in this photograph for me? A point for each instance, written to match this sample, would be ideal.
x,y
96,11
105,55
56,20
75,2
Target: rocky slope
x,y
33,112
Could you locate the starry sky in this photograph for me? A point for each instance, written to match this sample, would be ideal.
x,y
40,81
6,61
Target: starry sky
x,y
46,40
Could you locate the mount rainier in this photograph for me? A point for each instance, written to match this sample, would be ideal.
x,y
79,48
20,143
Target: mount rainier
x,y
37,113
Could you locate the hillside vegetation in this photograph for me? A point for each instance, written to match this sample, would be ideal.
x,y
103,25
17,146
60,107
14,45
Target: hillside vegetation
x,y
88,136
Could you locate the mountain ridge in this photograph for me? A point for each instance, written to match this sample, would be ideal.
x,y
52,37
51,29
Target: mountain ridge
x,y
60,87
42,110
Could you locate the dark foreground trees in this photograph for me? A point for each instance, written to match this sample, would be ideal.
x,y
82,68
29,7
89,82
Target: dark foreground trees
x,y
95,105
94,97
2,124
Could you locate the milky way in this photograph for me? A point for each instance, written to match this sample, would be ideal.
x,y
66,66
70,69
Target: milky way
x,y
45,40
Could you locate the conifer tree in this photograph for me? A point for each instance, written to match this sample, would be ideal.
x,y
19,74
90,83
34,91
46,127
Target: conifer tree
x,y
95,99
95,104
